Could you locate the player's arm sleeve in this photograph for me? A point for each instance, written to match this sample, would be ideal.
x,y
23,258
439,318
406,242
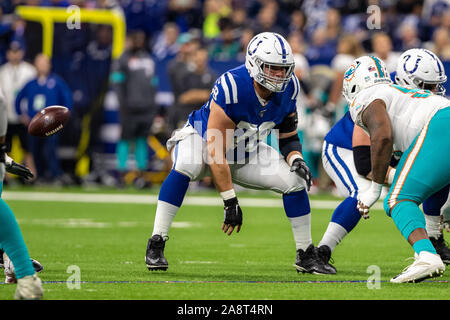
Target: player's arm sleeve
x,y
288,140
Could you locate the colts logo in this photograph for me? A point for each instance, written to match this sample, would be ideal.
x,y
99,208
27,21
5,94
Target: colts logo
x,y
350,73
407,57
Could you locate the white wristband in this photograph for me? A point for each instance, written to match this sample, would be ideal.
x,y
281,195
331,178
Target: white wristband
x,y
293,157
229,194
391,176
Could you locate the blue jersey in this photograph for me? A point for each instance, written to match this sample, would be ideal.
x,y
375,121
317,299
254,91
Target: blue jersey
x,y
234,92
39,95
341,134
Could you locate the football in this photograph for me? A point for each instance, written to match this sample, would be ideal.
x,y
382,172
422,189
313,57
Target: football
x,y
48,121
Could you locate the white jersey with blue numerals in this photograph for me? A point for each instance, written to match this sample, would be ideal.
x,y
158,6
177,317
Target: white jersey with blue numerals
x,y
235,94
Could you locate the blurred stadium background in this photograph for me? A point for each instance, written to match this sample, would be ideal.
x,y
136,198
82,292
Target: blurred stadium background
x,y
184,45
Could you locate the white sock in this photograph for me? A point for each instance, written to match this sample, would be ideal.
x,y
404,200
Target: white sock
x,y
333,236
301,228
165,213
432,225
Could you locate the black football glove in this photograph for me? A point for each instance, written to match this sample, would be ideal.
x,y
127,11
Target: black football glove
x,y
232,214
16,168
299,166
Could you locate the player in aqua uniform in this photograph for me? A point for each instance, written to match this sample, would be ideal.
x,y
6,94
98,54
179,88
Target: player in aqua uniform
x,y
414,122
348,164
28,283
225,138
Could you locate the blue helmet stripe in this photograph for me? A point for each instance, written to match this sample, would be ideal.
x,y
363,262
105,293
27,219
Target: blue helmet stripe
x,y
283,49
437,61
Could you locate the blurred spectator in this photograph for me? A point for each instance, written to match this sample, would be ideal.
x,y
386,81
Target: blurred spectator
x,y
239,20
441,43
149,16
297,22
316,13
213,10
47,89
178,70
333,24
13,77
166,45
226,47
349,48
408,37
266,20
246,35
133,81
321,50
301,69
186,14
382,48
196,87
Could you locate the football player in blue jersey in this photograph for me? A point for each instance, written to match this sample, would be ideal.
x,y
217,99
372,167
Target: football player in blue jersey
x,y
346,159
225,139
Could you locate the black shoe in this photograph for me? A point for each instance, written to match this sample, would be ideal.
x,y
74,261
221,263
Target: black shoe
x,y
442,248
324,253
154,256
308,261
37,265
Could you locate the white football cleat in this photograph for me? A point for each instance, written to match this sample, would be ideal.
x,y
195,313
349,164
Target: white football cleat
x,y
426,265
29,288
10,275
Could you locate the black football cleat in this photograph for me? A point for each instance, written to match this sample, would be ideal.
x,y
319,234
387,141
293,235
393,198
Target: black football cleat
x,y
324,253
37,265
442,248
308,261
154,256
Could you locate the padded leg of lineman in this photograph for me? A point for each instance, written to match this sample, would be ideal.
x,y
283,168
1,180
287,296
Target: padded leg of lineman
x,y
12,242
297,208
187,166
423,169
345,217
339,165
269,171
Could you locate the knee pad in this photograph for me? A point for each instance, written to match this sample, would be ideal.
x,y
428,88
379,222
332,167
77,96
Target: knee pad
x,y
188,164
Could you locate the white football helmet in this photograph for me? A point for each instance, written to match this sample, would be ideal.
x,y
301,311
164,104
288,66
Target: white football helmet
x,y
364,72
422,69
265,51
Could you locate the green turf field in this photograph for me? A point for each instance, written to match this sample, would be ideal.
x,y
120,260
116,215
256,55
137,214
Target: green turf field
x,y
106,242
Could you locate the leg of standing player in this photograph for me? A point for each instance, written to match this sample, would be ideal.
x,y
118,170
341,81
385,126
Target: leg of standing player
x,y
29,285
422,170
188,165
269,171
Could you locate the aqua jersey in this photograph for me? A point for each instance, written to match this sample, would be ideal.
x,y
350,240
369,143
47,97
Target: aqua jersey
x,y
234,92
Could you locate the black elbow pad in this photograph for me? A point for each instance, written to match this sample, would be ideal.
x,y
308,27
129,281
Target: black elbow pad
x,y
361,157
288,124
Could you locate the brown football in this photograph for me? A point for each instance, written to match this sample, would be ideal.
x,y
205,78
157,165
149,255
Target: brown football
x,y
48,121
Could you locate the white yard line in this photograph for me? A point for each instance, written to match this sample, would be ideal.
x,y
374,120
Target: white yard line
x,y
152,199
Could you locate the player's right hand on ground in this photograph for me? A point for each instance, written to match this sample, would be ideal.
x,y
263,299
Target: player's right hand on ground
x,y
232,216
